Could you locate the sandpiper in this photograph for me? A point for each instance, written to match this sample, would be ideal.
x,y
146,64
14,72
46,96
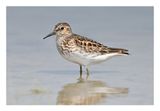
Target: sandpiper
x,y
81,50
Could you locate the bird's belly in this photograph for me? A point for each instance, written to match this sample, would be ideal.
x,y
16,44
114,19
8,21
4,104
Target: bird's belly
x,y
78,59
86,59
83,58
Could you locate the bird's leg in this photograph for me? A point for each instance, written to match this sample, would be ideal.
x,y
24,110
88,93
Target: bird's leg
x,y
80,72
87,70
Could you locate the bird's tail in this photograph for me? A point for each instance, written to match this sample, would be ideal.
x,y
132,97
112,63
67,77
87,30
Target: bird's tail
x,y
119,51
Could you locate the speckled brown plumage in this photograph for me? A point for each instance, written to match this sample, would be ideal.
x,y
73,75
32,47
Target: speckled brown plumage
x,y
82,50
77,42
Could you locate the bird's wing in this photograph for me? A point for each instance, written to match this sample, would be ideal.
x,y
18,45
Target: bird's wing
x,y
88,45
91,46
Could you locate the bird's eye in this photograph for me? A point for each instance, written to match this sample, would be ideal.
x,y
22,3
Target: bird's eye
x,y
62,28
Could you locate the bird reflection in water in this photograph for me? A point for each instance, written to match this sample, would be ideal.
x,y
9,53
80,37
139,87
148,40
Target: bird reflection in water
x,y
86,93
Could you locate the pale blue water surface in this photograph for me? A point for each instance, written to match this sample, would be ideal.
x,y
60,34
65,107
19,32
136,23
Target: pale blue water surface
x,y
38,75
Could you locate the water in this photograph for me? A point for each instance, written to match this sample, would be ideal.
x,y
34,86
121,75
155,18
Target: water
x,y
38,75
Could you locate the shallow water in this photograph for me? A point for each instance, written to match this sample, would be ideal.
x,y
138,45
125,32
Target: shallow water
x,y
38,75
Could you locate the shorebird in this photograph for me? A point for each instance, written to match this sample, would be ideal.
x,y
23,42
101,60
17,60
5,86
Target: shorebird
x,y
82,50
